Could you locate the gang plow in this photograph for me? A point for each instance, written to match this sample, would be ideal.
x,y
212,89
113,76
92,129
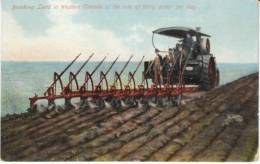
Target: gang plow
x,y
104,94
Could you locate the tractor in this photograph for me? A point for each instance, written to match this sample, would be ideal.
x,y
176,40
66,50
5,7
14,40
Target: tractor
x,y
190,57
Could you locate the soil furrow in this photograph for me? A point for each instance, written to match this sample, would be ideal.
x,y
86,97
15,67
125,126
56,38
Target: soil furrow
x,y
203,140
220,125
96,130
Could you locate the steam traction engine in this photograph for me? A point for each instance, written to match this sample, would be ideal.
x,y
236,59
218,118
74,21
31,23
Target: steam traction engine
x,y
196,67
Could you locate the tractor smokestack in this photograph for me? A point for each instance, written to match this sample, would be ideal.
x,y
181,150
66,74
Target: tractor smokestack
x,y
198,29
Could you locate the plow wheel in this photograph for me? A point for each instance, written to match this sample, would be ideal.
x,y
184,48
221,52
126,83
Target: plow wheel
x,y
131,101
100,103
209,74
164,101
152,101
142,102
116,103
178,99
160,101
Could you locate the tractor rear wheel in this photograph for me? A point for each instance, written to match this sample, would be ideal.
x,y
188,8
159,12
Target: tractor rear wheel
x,y
209,74
217,78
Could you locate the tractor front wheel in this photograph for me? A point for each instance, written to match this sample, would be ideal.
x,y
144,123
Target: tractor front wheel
x,y
209,74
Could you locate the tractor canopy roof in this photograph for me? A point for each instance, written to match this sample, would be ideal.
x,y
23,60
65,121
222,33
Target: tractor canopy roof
x,y
178,32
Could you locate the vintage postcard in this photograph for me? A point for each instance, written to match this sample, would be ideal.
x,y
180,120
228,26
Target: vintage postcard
x,y
136,80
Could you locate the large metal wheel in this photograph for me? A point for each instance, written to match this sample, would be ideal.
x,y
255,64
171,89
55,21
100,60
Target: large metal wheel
x,y
205,45
209,74
217,78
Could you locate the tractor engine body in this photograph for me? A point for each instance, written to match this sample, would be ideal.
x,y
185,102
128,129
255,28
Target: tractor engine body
x,y
200,68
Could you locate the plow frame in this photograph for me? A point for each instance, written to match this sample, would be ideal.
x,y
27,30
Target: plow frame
x,y
103,90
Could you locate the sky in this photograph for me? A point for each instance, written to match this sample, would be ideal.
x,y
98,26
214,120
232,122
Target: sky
x,y
41,30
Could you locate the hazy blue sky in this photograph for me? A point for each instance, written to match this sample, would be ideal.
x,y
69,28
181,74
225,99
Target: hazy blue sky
x,y
30,33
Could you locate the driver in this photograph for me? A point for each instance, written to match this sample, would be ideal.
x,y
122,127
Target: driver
x,y
169,58
186,44
158,68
